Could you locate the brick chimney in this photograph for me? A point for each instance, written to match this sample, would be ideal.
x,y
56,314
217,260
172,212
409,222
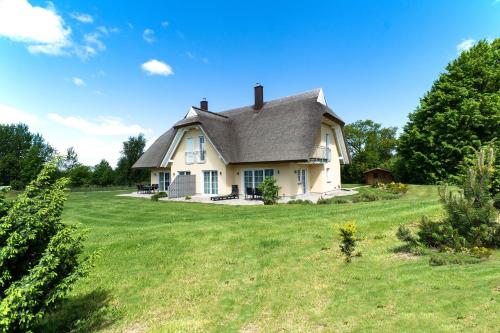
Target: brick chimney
x,y
204,104
259,96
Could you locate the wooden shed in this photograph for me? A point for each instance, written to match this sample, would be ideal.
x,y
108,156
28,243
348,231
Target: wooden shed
x,y
378,175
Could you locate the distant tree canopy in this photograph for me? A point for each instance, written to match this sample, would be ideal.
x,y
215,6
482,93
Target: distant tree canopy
x,y
455,118
133,148
104,174
370,146
22,155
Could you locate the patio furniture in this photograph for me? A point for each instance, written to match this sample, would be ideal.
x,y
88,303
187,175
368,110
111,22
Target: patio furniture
x,y
234,194
253,194
139,188
248,193
257,194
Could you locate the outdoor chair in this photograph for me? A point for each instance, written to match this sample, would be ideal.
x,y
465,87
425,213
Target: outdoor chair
x,y
257,193
248,193
234,194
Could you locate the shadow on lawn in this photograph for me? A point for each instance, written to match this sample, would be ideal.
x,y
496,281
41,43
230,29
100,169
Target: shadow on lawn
x,y
87,313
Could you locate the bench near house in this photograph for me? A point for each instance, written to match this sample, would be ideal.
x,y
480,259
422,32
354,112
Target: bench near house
x,y
298,140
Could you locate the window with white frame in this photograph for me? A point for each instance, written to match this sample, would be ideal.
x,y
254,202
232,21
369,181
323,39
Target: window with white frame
x,y
253,178
163,181
201,141
210,182
189,151
328,175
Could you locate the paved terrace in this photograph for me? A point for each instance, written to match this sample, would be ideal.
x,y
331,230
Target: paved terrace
x,y
203,198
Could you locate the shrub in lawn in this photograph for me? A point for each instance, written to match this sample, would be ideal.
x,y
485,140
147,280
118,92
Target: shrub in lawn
x,y
348,240
404,234
397,188
340,201
334,200
300,202
158,195
269,189
187,197
39,260
365,197
471,219
481,252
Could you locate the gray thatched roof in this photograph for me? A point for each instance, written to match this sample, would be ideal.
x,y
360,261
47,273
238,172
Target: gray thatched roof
x,y
283,130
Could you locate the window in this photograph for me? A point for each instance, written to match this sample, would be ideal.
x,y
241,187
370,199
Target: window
x,y
184,173
210,182
328,175
163,181
189,151
253,178
202,147
327,145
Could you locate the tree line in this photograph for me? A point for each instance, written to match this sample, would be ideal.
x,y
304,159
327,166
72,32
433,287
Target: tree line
x,y
457,117
23,154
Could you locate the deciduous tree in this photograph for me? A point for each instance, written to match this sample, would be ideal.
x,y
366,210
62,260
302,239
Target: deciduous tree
x,y
455,118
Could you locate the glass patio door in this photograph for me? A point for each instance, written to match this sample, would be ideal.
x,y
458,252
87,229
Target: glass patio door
x,y
163,181
302,180
210,182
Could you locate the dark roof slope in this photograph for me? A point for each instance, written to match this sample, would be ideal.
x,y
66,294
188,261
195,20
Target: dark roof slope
x,y
153,156
283,130
378,169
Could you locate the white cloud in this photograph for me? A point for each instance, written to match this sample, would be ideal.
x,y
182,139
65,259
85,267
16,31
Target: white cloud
x,y
149,35
42,29
84,18
164,24
78,82
156,67
102,126
92,43
465,45
92,140
11,115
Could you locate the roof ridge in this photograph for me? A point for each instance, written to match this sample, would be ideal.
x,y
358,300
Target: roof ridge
x,y
314,91
211,112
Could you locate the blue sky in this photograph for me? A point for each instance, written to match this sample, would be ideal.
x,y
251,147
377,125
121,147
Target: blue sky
x,y
89,74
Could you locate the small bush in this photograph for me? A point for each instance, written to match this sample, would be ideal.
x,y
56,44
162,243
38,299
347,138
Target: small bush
x,y
300,202
348,240
334,200
340,201
187,197
365,197
404,234
471,221
481,252
397,188
158,195
270,190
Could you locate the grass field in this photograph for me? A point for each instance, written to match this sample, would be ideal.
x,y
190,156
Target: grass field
x,y
187,267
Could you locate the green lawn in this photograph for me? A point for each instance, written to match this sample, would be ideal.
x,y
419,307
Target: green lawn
x,y
187,267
